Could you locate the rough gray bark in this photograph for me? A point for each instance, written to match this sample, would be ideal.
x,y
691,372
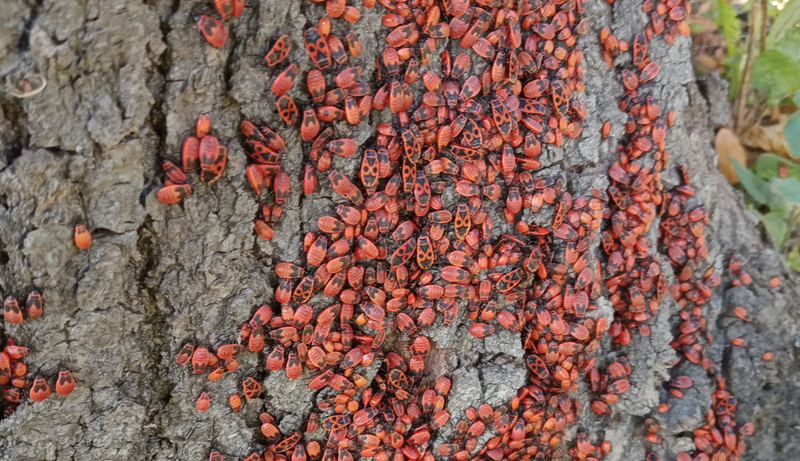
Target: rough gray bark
x,y
126,82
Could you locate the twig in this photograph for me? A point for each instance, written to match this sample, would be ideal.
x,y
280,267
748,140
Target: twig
x,y
25,87
751,49
775,115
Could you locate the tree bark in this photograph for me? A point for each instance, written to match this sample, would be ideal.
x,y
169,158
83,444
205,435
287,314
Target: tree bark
x,y
126,82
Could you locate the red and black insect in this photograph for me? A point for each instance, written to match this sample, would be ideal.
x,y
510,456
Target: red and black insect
x,y
338,53
174,193
11,311
287,109
82,237
65,383
213,158
213,30
203,402
284,81
279,51
354,45
40,390
33,305
235,402
315,82
251,388
317,47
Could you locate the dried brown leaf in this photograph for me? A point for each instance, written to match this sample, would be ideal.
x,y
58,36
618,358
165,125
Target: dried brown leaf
x,y
729,147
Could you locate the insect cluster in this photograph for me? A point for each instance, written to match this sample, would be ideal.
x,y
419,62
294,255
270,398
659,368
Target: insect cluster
x,y
350,99
33,307
395,255
633,272
13,370
204,152
682,239
633,277
213,29
263,147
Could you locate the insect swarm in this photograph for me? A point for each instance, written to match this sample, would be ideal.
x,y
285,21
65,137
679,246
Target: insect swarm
x,y
411,239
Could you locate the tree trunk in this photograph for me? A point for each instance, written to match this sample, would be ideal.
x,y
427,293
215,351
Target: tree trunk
x,y
126,82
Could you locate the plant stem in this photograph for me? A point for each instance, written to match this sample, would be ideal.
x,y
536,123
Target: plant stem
x,y
794,218
755,112
751,49
762,43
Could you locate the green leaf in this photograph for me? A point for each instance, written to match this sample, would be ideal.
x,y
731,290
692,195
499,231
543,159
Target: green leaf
x,y
796,98
729,22
768,166
756,187
775,224
696,28
734,70
792,132
779,204
745,7
775,75
794,259
790,47
785,21
788,188
772,10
